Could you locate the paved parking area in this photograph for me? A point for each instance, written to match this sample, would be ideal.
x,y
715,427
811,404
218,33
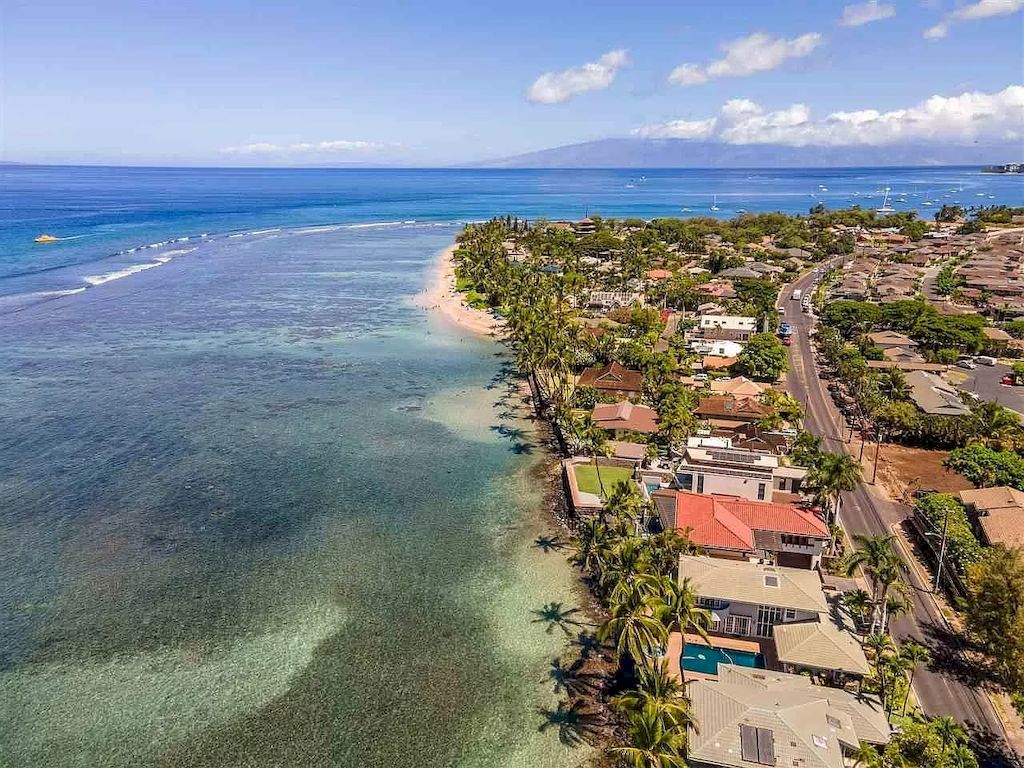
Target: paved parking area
x,y
984,382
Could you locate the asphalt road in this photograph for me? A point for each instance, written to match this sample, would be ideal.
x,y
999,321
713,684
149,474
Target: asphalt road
x,y
944,687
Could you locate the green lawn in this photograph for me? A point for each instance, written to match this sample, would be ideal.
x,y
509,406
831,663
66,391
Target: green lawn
x,y
586,478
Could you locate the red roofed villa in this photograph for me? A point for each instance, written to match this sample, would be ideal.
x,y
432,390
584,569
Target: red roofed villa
x,y
739,529
622,418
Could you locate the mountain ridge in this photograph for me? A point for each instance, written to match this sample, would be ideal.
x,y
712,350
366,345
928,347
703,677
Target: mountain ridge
x,y
687,153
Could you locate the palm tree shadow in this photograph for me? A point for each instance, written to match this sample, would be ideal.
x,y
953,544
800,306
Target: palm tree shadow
x,y
571,679
575,723
588,643
548,544
554,615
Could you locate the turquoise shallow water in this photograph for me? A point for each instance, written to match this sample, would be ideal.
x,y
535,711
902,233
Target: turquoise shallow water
x,y
257,511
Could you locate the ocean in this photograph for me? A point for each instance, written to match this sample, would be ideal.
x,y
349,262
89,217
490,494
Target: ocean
x,y
259,509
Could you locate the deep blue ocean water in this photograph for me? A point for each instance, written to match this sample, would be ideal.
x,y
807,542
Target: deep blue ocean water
x,y
257,508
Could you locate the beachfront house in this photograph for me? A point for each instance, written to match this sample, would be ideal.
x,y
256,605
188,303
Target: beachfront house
x,y
614,380
750,717
747,599
754,475
624,418
734,528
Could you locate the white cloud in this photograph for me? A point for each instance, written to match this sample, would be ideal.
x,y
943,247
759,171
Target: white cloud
x,y
864,13
678,129
982,9
746,56
964,118
264,148
556,87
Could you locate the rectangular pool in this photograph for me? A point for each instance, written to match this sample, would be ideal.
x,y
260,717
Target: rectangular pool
x,y
701,658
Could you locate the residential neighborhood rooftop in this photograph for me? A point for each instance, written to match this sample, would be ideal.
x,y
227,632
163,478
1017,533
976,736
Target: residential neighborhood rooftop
x,y
751,582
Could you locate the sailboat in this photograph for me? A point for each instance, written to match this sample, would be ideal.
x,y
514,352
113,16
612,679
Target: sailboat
x,y
714,205
886,208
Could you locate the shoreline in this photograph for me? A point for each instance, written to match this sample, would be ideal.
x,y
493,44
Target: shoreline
x,y
440,298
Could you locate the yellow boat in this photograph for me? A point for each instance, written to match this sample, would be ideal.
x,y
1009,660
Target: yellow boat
x,y
47,239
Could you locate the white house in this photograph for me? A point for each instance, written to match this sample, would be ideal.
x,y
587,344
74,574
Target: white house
x,y
716,348
735,327
754,475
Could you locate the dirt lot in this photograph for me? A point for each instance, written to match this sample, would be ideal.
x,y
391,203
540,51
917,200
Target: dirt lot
x,y
903,470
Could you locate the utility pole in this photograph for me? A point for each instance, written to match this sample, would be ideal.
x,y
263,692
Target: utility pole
x,y
878,448
942,553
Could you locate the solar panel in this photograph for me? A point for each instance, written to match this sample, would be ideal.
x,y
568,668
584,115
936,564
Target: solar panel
x,y
748,743
734,457
765,746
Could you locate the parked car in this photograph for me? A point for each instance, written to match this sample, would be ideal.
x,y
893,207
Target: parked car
x,y
701,377
966,362
1007,381
985,360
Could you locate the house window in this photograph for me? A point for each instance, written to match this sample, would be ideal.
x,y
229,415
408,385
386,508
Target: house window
x,y
796,541
711,603
700,483
767,617
790,614
685,481
737,625
760,491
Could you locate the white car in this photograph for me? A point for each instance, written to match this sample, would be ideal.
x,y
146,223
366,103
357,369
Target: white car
x,y
966,362
701,377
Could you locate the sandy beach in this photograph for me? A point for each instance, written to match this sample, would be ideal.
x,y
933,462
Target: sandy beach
x,y
441,297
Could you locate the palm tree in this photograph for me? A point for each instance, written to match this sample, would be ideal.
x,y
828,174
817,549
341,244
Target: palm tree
x,y
859,603
654,743
893,384
883,648
883,566
634,627
831,475
915,654
664,691
595,439
678,610
866,756
949,731
592,546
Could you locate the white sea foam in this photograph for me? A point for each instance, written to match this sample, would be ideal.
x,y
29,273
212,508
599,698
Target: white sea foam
x,y
64,292
314,230
263,231
237,234
126,272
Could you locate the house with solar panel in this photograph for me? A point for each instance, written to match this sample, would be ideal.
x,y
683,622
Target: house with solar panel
x,y
752,717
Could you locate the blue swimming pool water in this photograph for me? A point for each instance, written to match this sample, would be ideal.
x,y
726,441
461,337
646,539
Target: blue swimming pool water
x,y
701,658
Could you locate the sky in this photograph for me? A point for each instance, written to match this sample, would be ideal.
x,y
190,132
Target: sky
x,y
233,82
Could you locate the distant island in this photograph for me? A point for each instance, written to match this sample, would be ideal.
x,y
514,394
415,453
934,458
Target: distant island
x,y
1005,168
633,152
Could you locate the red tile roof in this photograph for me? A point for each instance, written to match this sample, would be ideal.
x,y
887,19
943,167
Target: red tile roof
x,y
729,522
731,407
613,377
626,415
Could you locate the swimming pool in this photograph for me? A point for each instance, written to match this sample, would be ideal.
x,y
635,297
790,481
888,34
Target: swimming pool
x,y
701,658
